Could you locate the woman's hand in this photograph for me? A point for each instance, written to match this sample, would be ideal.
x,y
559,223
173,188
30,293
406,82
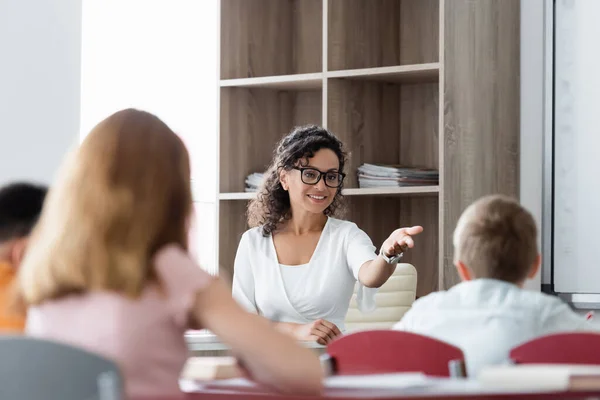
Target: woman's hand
x,y
400,240
320,331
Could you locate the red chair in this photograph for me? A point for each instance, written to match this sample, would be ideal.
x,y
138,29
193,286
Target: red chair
x,y
385,351
561,348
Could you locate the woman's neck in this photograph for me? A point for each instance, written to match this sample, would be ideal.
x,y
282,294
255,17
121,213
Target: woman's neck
x,y
304,222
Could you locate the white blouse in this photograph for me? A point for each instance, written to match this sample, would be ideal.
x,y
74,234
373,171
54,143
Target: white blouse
x,y
328,280
487,318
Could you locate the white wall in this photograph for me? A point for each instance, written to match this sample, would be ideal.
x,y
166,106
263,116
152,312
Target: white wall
x,y
40,47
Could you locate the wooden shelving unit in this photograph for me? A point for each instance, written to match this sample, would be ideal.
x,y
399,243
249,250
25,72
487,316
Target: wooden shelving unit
x,y
399,81
391,191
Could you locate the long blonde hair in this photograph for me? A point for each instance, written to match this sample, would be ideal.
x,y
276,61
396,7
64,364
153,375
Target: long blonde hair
x,y
121,196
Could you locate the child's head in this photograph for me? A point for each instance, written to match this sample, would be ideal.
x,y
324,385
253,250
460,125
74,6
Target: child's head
x,y
120,197
496,238
20,207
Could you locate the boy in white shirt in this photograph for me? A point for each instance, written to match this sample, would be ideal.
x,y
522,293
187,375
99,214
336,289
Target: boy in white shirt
x,y
489,313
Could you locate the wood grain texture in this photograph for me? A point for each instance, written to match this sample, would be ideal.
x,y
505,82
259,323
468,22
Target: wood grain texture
x,y
419,31
307,108
441,145
363,34
232,224
419,125
307,17
424,256
252,121
384,123
378,33
365,116
270,37
380,216
482,102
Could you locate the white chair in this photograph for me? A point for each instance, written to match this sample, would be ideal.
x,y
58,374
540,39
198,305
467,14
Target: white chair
x,y
32,369
393,300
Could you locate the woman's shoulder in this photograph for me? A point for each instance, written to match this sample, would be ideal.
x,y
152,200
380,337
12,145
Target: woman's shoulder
x,y
254,235
343,227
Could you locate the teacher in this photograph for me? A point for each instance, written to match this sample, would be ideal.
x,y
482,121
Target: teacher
x,y
298,265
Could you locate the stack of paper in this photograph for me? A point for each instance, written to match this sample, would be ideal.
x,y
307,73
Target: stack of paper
x,y
373,176
210,368
253,182
549,377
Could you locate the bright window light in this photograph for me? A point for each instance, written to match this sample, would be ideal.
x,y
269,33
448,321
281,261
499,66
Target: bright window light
x,y
160,56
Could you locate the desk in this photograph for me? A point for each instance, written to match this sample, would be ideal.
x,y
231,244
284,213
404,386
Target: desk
x,y
376,394
361,388
447,389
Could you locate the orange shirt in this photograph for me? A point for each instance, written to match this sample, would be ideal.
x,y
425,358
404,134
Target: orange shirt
x,y
9,321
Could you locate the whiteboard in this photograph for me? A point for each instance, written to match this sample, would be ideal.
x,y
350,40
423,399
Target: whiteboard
x,y
576,222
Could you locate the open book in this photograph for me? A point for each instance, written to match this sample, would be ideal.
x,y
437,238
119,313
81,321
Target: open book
x,y
550,377
211,368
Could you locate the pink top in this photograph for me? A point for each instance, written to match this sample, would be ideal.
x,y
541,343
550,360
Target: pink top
x,y
144,336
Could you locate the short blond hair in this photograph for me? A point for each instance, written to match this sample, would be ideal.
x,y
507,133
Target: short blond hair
x,y
119,197
496,238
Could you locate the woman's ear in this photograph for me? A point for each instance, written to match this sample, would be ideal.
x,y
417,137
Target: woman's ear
x,y
283,178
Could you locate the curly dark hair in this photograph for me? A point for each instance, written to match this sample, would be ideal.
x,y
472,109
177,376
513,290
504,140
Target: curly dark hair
x,y
272,204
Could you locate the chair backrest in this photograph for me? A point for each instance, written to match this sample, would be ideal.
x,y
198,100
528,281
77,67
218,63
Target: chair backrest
x,y
40,369
560,348
393,299
386,351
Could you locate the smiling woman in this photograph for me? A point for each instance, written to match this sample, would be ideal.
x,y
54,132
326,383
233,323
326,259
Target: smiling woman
x,y
298,265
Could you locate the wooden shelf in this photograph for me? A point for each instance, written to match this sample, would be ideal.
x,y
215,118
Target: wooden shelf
x,y
283,82
416,73
391,191
237,196
412,190
397,81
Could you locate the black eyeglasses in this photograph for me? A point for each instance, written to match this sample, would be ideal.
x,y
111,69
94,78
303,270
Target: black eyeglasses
x,y
312,176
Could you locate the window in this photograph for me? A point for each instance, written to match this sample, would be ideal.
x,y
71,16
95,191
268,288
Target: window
x,y
160,56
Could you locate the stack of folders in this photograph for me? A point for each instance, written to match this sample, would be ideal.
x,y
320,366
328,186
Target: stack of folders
x,y
253,182
375,176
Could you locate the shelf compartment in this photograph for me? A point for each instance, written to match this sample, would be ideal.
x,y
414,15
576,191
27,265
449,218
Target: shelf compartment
x,y
271,37
384,123
253,120
381,33
391,191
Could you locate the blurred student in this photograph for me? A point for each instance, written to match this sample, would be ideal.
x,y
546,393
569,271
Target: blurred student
x,y
20,207
109,269
489,313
